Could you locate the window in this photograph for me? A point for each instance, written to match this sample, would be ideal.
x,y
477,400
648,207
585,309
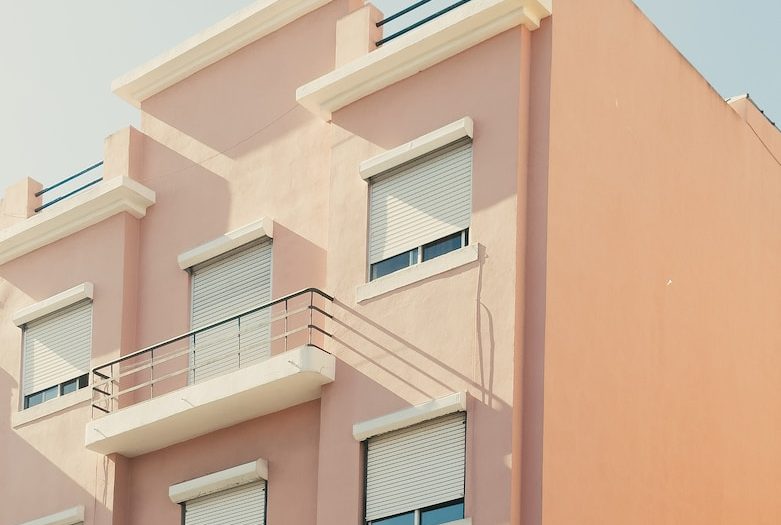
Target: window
x,y
242,505
228,285
421,209
415,476
57,351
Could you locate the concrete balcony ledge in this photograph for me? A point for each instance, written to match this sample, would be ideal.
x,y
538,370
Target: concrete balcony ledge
x,y
104,200
430,44
281,382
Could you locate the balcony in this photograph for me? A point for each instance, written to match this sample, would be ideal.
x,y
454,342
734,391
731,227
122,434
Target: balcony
x,y
256,363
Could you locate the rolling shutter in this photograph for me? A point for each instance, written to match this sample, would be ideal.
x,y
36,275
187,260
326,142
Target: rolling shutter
x,y
416,467
420,201
57,347
223,287
243,505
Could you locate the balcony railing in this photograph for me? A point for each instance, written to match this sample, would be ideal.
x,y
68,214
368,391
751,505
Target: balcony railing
x,y
219,348
62,183
412,10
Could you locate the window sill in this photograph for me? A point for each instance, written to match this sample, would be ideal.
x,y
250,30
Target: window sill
x,y
416,273
465,521
48,408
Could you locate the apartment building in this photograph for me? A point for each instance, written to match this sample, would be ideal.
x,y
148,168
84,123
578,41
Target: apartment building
x,y
512,263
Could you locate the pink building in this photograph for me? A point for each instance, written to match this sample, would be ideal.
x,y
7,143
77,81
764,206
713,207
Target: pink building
x,y
515,265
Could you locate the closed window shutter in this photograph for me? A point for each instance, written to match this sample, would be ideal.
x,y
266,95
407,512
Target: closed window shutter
x,y
57,347
223,287
420,201
416,467
243,505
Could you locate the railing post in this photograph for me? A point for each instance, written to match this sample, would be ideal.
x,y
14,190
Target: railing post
x,y
285,317
151,374
239,331
311,322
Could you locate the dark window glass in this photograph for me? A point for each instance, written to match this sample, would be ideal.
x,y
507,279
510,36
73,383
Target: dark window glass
x,y
39,397
401,519
73,385
393,264
444,245
443,513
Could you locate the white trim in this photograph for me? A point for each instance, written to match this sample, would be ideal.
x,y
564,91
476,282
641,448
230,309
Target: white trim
x,y
200,51
47,408
53,303
222,480
465,521
71,516
417,147
430,44
263,227
442,406
106,199
417,272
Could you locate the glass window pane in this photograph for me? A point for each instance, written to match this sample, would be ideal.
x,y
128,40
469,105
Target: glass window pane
x,y
51,393
70,386
401,519
442,246
443,514
392,264
33,399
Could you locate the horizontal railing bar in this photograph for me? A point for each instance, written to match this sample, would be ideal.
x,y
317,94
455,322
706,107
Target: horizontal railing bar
x,y
65,181
101,375
94,389
101,409
320,310
420,22
402,12
215,324
58,199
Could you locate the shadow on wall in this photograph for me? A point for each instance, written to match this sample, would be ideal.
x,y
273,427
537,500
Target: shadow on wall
x,y
252,89
32,485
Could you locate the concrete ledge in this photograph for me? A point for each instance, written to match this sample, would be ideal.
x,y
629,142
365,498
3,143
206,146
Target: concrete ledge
x,y
443,406
238,30
222,480
418,147
430,44
28,415
263,227
418,272
282,381
52,304
71,516
106,199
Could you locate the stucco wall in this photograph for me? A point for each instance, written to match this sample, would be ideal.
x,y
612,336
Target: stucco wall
x,y
662,369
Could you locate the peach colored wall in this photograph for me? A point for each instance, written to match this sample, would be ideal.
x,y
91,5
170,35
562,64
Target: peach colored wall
x,y
44,467
662,369
287,440
451,332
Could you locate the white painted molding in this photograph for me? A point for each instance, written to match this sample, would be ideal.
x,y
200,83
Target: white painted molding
x,y
222,480
53,303
417,272
58,404
417,147
465,521
442,406
430,44
106,199
263,227
204,49
71,516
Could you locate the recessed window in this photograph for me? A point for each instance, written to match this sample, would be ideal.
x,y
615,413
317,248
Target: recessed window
x,y
421,209
225,286
57,351
415,476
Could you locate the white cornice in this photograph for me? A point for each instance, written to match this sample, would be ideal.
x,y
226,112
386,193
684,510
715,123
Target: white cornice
x,y
455,402
104,200
263,227
434,42
67,517
53,303
218,481
416,148
194,54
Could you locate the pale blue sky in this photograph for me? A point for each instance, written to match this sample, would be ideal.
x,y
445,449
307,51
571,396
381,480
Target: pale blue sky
x,y
59,58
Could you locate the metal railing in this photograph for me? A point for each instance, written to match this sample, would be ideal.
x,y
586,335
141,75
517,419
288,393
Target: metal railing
x,y
227,345
65,181
418,23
